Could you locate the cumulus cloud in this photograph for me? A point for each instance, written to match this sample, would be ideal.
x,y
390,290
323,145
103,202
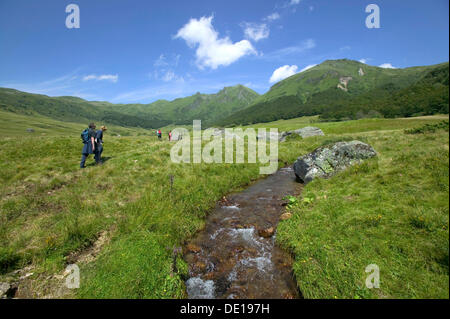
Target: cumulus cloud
x,y
104,77
294,2
363,61
308,67
212,51
387,66
283,72
256,31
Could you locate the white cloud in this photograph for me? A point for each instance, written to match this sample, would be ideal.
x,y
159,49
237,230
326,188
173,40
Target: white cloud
x,y
164,66
290,3
256,31
298,49
104,77
363,61
387,66
311,8
307,67
272,17
283,72
171,76
164,61
161,61
212,51
168,76
165,75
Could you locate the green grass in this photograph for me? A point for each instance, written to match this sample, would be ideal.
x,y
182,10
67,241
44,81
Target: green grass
x,y
356,126
429,128
391,211
16,125
51,209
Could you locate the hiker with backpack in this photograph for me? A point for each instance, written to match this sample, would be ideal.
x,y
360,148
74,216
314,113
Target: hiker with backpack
x,y
88,137
99,144
170,136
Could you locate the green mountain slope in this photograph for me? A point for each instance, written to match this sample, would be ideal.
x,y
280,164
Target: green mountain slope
x,y
341,89
70,109
207,107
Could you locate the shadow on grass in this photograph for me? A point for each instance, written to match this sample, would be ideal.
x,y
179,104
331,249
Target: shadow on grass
x,y
104,160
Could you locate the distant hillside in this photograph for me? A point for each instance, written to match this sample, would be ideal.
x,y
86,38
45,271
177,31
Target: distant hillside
x,y
341,89
71,109
207,107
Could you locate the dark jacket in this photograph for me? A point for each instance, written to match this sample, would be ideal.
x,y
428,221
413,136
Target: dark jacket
x,y
87,147
99,137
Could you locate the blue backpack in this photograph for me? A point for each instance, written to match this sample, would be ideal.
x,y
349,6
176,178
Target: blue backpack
x,y
85,136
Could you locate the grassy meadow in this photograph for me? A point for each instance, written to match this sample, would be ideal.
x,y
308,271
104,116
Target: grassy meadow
x,y
391,211
51,211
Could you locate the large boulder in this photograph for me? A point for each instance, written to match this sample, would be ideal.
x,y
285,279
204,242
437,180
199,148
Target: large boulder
x,y
4,289
308,131
328,160
217,131
268,136
177,135
283,135
303,132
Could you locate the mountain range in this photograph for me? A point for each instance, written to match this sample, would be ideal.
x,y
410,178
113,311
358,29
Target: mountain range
x,y
335,90
346,89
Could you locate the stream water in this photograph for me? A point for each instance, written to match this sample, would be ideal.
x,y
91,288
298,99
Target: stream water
x,y
229,259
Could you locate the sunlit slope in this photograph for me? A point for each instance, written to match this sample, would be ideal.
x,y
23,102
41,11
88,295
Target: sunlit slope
x,y
345,89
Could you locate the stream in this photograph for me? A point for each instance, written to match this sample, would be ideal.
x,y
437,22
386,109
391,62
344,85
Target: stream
x,y
229,258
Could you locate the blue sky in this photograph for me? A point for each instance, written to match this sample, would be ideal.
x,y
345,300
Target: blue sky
x,y
142,51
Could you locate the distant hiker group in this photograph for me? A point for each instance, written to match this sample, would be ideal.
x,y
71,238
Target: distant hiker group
x,y
93,144
159,134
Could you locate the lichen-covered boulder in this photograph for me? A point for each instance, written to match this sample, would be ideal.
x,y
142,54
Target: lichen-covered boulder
x,y
304,132
268,136
4,288
328,160
308,131
283,135
177,135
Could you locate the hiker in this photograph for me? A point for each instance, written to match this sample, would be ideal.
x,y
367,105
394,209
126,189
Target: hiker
x,y
88,137
159,134
170,136
99,144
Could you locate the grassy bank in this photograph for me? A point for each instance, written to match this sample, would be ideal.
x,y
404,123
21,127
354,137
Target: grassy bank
x,y
391,211
51,210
